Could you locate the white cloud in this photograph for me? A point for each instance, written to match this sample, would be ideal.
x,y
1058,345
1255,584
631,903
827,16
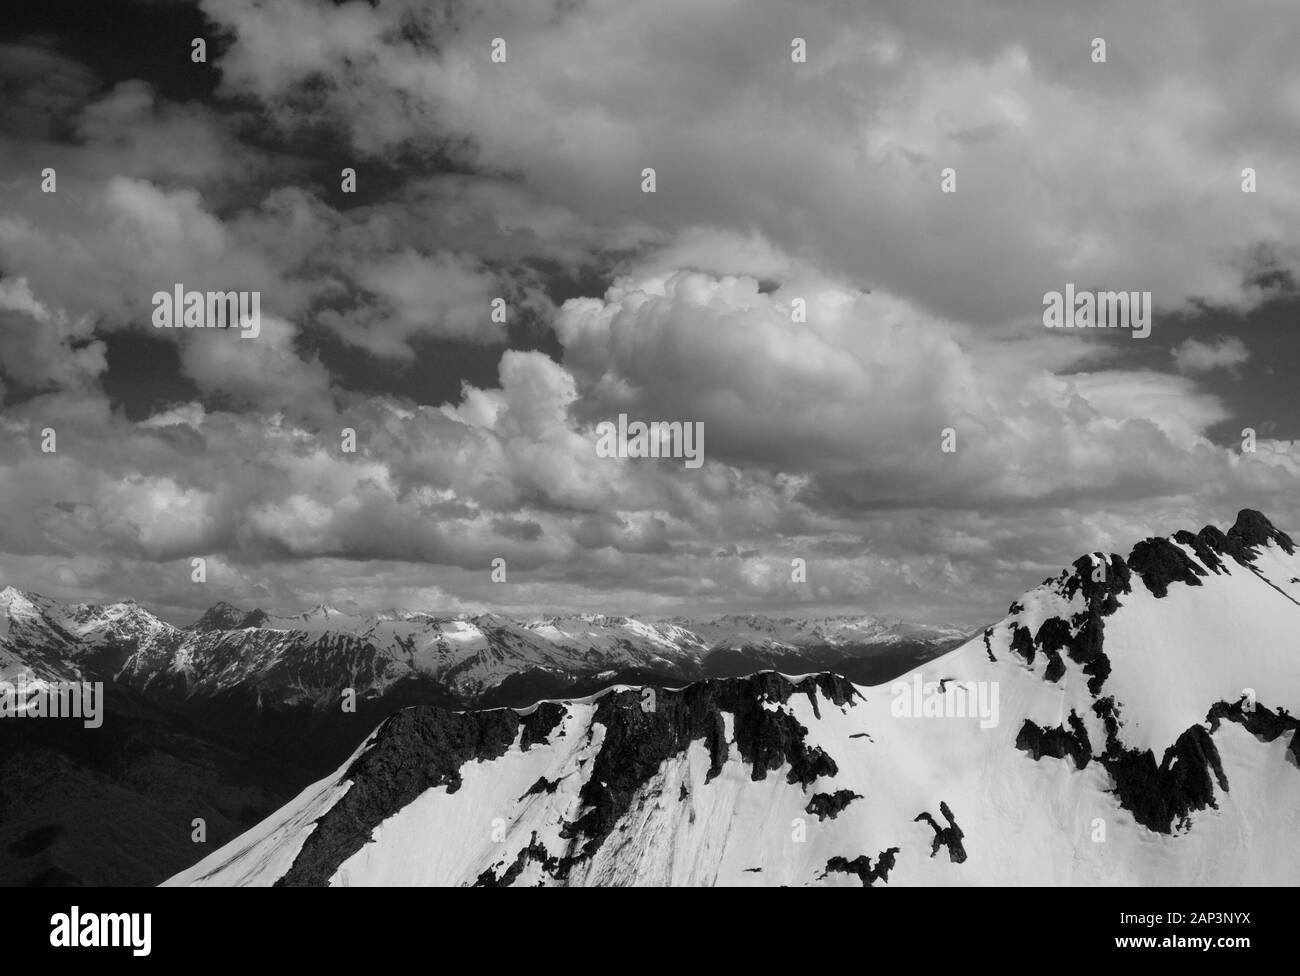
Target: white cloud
x,y
839,158
777,182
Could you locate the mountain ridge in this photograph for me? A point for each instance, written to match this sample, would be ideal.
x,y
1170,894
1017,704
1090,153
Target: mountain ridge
x,y
314,655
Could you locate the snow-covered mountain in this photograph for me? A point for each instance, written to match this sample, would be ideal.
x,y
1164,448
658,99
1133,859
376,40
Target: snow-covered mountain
x,y
739,631
1130,721
306,659
235,714
54,641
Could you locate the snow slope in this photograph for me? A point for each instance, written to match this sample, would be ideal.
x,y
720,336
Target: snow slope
x,y
1130,721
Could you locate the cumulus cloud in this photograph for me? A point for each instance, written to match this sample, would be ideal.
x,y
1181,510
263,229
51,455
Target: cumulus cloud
x,y
840,156
859,395
798,284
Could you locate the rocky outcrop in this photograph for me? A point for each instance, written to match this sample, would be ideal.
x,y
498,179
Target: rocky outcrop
x,y
1253,529
1163,796
224,616
1261,722
1057,741
950,836
863,868
413,751
1159,563
533,853
637,741
1100,580
829,805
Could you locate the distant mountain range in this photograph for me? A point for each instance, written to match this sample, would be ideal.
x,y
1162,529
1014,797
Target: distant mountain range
x,y
309,658
234,713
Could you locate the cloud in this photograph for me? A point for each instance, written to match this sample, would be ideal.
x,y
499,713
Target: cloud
x,y
858,396
1225,352
839,158
42,347
264,373
780,186
445,295
39,87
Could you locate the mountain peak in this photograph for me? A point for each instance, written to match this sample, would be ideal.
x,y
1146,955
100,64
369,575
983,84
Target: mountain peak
x,y
1253,528
227,616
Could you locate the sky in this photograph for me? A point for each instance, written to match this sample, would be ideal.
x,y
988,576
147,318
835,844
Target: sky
x,y
779,183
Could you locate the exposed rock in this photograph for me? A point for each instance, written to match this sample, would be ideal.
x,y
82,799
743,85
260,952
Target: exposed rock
x,y
1253,529
1022,643
534,852
543,785
1100,581
1163,797
861,866
224,616
830,804
1204,547
1057,742
1263,723
988,647
1159,562
637,742
949,837
1103,592
1214,538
